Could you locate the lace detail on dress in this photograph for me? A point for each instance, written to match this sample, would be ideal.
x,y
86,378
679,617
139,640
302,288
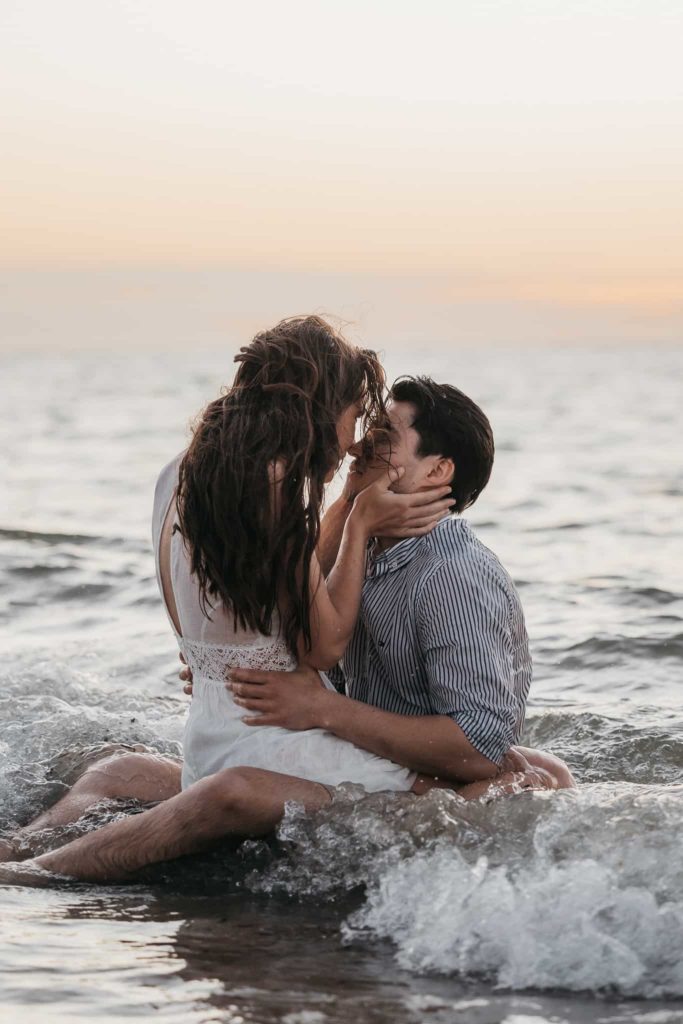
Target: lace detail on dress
x,y
213,661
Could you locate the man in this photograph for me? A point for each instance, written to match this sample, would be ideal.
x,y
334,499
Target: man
x,y
440,649
436,675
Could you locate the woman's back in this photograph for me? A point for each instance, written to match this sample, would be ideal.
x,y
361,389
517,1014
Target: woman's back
x,y
212,644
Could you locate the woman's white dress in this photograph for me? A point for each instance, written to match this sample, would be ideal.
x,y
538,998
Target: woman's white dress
x,y
215,737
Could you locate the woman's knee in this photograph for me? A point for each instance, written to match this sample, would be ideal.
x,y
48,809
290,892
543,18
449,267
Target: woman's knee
x,y
556,770
551,765
561,773
511,783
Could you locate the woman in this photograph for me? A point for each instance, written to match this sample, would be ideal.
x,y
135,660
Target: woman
x,y
236,528
236,533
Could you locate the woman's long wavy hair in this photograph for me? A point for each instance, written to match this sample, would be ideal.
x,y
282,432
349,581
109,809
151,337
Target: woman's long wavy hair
x,y
250,546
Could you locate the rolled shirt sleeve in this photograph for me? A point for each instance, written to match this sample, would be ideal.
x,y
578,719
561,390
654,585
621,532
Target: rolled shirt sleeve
x,y
463,622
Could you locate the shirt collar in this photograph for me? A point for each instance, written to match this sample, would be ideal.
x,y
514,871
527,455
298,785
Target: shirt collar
x,y
394,557
400,554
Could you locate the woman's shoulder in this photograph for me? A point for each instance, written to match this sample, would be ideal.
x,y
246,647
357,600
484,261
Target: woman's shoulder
x,y
168,477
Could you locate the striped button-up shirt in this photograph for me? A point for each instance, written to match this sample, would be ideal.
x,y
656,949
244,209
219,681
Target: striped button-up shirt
x,y
441,632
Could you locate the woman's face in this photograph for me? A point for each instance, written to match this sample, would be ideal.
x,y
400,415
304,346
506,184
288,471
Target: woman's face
x,y
346,430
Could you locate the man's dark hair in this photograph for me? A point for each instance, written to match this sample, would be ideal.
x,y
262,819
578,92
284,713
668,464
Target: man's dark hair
x,y
451,425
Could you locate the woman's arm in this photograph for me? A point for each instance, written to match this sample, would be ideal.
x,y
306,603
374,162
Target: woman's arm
x,y
335,601
331,529
332,523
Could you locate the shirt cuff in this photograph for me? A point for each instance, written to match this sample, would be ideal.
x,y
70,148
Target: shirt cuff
x,y
490,735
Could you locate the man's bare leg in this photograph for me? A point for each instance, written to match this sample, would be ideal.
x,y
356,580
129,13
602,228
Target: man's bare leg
x,y
146,777
235,801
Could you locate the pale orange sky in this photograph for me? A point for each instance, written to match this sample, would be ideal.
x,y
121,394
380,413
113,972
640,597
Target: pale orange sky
x,y
510,153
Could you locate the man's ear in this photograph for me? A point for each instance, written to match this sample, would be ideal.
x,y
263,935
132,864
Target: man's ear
x,y
441,473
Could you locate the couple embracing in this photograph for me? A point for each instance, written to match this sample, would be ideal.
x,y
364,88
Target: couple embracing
x,y
381,645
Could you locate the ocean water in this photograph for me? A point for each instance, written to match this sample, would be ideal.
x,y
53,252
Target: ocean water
x,y
543,907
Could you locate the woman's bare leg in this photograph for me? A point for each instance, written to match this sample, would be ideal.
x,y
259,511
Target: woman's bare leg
x,y
236,801
523,768
135,776
555,766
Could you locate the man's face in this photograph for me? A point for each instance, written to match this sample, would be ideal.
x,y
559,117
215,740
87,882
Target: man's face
x,y
405,442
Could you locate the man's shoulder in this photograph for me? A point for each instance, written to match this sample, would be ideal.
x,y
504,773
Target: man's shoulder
x,y
453,549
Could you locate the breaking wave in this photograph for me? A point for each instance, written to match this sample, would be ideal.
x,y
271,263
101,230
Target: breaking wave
x,y
576,890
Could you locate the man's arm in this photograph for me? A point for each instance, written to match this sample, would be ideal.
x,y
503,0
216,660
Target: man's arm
x,y
432,744
462,619
463,626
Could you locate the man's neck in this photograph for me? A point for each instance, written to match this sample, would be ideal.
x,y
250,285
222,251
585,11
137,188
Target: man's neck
x,y
384,543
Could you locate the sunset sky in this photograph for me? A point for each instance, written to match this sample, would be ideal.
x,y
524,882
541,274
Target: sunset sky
x,y
519,160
